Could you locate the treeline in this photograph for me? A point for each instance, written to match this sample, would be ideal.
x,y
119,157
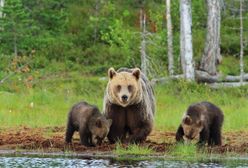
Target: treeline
x,y
97,34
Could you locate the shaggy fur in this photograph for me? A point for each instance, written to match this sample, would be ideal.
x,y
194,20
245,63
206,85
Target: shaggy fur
x,y
202,119
93,127
133,117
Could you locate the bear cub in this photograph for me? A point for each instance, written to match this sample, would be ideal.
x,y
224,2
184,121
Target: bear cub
x,y
93,127
203,120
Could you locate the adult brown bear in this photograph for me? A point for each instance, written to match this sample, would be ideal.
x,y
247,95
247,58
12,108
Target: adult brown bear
x,y
129,101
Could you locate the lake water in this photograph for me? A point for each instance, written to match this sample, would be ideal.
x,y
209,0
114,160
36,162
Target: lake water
x,y
45,162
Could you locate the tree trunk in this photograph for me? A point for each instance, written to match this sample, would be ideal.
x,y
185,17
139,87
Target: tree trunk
x,y
169,38
241,44
96,22
226,85
202,76
1,6
186,50
211,55
143,42
15,43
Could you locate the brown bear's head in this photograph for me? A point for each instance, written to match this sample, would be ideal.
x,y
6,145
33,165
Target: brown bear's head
x,y
99,128
192,125
124,88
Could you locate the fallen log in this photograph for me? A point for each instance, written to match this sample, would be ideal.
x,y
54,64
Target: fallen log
x,y
166,79
226,84
204,77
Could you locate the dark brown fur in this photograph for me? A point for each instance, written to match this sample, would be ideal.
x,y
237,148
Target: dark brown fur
x,y
206,116
127,121
93,127
134,122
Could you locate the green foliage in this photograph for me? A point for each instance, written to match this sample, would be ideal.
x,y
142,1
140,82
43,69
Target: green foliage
x,y
16,27
92,35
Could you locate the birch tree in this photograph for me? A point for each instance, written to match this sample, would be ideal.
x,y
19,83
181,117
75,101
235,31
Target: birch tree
x,y
241,44
97,6
1,8
169,38
143,42
211,55
186,50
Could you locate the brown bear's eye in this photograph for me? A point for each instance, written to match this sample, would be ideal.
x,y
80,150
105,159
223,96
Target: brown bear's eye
x,y
118,87
130,88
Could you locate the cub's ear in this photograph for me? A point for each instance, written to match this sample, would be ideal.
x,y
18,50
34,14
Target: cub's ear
x,y
136,73
99,123
111,72
187,120
201,121
110,122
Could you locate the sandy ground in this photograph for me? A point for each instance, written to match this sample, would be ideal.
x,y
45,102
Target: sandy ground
x,y
51,139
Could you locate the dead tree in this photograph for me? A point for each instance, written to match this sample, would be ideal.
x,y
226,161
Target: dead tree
x,y
211,55
169,38
1,8
186,50
143,42
241,44
96,13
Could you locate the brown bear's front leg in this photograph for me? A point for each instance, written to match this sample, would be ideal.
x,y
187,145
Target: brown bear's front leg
x,y
69,132
180,134
84,136
204,136
139,134
117,130
139,127
117,133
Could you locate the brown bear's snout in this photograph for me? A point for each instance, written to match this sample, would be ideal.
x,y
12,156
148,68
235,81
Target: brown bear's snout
x,y
124,98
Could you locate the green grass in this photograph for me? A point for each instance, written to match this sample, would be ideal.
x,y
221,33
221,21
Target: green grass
x,y
182,150
132,149
174,98
52,96
191,152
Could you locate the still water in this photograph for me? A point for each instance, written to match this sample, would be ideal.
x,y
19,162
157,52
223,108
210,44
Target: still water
x,y
45,162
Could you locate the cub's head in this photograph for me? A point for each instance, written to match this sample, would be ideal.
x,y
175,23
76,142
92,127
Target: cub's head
x,y
192,126
99,128
124,88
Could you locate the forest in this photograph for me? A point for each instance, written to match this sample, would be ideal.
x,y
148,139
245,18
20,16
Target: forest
x,y
71,34
55,53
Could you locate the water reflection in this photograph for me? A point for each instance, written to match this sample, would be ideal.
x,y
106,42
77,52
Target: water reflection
x,y
78,162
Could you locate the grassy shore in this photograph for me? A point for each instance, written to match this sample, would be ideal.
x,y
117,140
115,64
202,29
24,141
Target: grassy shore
x,y
46,100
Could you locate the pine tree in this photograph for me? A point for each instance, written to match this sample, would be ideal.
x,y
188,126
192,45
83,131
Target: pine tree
x,y
15,26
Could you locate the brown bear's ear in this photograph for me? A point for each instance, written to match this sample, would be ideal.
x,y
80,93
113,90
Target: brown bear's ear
x,y
99,123
111,72
187,120
110,122
136,73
